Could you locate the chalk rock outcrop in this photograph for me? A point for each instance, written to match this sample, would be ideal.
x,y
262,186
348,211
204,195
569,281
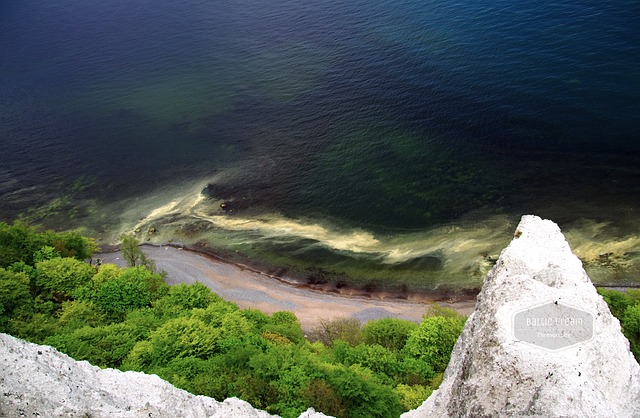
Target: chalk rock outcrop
x,y
38,380
541,341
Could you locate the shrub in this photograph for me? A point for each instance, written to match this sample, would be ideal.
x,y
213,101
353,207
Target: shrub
x,y
631,328
345,329
14,293
617,301
434,339
390,333
61,276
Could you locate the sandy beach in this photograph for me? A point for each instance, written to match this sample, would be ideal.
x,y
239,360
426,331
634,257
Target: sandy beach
x,y
253,289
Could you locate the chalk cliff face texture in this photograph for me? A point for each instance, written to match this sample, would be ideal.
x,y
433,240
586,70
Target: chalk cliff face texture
x,y
498,371
38,380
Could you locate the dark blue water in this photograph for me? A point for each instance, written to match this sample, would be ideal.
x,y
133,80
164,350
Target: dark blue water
x,y
383,125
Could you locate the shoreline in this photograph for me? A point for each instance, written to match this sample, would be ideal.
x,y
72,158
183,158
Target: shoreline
x,y
445,296
250,288
449,296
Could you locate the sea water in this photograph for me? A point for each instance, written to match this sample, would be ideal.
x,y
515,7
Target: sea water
x,y
378,143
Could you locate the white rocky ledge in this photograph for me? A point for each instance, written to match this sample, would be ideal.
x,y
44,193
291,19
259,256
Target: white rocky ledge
x,y
37,380
576,364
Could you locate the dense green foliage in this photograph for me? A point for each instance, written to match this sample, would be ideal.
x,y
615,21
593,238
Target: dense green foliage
x,y
130,319
14,294
626,307
19,242
390,333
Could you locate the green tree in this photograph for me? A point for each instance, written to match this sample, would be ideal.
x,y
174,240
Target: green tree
x,y
133,288
391,333
45,253
184,297
626,307
288,368
374,357
256,318
34,328
105,346
631,328
319,394
289,385
197,376
61,276
14,296
362,395
345,329
617,301
71,244
79,313
19,242
141,357
183,337
412,397
123,294
271,363
22,267
226,318
284,317
189,296
133,254
144,319
634,294
415,371
434,339
155,281
286,324
436,310
105,273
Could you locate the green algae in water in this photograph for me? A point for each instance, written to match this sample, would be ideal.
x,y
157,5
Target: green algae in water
x,y
414,181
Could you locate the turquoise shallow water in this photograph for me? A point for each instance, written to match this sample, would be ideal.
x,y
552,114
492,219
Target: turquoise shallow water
x,y
396,143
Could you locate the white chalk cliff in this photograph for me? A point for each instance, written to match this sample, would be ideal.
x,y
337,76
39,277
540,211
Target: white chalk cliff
x,y
567,359
541,342
37,380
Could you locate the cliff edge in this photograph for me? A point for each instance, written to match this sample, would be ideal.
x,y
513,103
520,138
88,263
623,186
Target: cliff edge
x,y
541,341
37,380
